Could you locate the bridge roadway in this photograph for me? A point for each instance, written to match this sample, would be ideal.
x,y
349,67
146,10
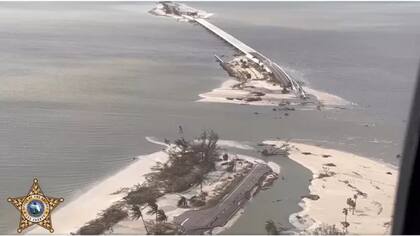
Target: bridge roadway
x,y
278,73
225,36
200,221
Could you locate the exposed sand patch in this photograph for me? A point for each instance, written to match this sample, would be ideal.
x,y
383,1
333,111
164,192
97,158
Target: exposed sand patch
x,y
273,95
327,99
353,173
226,94
86,207
168,203
100,196
214,181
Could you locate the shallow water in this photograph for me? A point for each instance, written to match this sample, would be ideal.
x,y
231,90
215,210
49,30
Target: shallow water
x,y
84,83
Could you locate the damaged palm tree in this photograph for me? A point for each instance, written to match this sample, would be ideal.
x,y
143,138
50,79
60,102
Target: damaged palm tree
x,y
352,204
161,216
183,202
138,214
345,223
153,209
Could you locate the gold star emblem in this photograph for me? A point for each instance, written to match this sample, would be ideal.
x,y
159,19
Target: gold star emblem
x,y
35,208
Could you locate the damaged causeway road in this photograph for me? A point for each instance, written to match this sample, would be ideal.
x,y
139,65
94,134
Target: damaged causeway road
x,y
200,221
278,73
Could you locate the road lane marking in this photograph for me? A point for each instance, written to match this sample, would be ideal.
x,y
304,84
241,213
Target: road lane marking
x,y
231,203
240,184
183,222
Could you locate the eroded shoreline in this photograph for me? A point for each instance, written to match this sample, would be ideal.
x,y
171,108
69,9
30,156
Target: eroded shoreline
x,y
108,199
272,96
337,177
228,92
256,79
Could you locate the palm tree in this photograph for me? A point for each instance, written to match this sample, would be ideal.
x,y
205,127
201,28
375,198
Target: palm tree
x,y
182,202
161,216
345,212
355,200
153,208
345,223
180,131
201,179
352,204
137,214
271,227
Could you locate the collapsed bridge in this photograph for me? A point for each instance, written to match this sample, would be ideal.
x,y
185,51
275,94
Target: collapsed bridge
x,y
278,74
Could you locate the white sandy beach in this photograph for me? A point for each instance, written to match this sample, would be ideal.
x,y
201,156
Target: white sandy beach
x,y
100,196
327,99
352,173
273,96
225,91
214,181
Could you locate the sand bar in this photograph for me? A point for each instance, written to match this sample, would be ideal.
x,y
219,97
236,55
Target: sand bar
x,y
273,96
376,181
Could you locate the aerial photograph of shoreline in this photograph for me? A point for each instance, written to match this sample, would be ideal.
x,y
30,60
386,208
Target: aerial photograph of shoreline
x,y
206,117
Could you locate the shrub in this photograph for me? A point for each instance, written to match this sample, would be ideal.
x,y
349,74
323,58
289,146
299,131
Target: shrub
x,y
109,217
143,194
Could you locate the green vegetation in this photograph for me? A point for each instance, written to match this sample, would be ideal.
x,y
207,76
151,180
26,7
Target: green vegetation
x,y
138,214
274,229
143,194
107,219
351,203
326,230
154,208
187,167
271,227
183,202
188,163
345,223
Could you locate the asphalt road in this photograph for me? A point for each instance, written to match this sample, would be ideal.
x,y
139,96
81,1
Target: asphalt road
x,y
200,221
280,75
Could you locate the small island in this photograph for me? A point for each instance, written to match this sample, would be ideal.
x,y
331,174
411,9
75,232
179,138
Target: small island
x,y
195,188
256,80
